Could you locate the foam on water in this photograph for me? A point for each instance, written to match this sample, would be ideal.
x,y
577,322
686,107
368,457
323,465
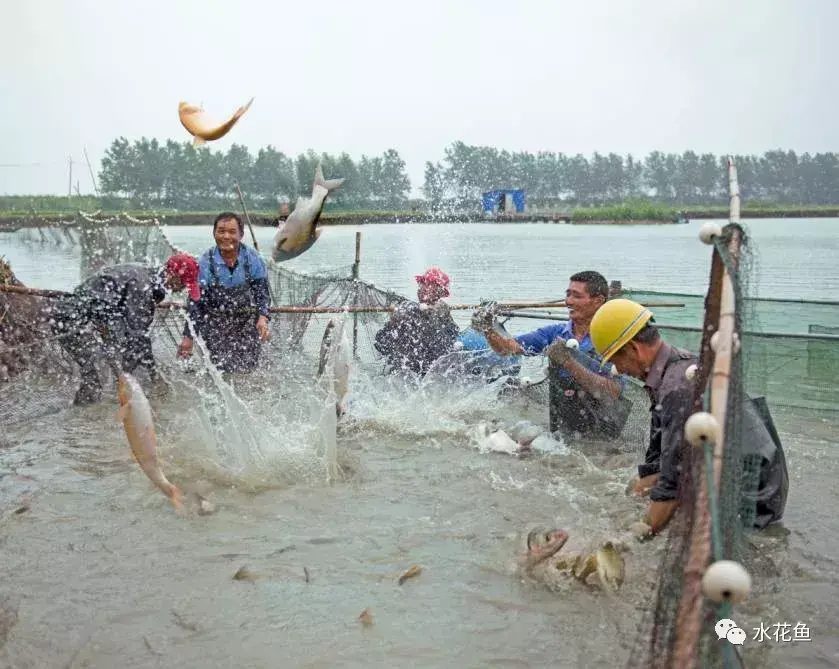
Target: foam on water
x,y
258,443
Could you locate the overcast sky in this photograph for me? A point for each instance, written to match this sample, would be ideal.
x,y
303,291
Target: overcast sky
x,y
363,76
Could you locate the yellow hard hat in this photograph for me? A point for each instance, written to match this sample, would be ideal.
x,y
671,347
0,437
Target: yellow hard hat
x,y
615,323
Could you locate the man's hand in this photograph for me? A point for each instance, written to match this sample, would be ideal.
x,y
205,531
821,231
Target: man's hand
x,y
558,353
642,487
484,317
262,328
660,513
185,348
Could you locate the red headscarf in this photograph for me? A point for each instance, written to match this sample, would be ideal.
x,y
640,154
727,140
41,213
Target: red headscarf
x,y
434,276
185,267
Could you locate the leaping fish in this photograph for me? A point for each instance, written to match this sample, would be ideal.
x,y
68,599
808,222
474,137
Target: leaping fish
x,y
204,128
334,359
299,232
136,416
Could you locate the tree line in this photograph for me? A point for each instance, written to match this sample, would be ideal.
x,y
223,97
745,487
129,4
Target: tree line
x,y
781,177
180,176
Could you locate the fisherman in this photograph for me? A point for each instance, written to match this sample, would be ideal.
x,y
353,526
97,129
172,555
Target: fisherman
x,y
231,311
624,332
418,333
585,398
108,317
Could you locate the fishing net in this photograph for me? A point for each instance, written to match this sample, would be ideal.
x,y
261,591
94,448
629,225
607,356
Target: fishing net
x,y
714,521
32,356
84,245
793,345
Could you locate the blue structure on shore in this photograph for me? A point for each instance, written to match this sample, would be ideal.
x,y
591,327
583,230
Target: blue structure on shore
x,y
504,201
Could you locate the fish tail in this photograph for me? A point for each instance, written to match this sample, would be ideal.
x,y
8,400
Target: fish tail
x,y
175,496
328,184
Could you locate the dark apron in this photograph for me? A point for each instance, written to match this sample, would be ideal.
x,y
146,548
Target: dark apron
x,y
575,411
229,323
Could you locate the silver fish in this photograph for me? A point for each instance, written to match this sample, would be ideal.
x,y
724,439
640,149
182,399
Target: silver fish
x,y
299,232
334,360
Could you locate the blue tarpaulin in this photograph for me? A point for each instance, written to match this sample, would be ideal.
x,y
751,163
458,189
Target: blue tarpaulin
x,y
494,198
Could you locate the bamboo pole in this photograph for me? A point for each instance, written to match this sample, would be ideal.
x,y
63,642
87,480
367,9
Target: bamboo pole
x,y
720,318
355,270
247,216
43,292
720,378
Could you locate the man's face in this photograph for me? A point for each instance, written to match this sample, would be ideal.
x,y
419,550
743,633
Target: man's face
x,y
173,282
227,235
581,305
628,361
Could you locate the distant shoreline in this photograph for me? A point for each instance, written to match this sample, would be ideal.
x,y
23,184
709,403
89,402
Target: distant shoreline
x,y
601,216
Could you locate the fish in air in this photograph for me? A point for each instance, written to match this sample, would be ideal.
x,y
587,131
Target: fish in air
x,y
203,127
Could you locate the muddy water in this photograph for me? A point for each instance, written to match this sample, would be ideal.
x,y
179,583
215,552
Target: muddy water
x,y
97,570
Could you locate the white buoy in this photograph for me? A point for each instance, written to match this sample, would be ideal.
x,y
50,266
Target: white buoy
x,y
701,427
715,340
690,372
735,343
726,581
573,344
708,231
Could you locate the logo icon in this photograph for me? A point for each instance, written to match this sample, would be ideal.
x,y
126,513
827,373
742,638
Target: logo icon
x,y
727,629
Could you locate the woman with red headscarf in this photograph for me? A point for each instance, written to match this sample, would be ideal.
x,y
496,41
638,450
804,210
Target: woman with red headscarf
x,y
420,332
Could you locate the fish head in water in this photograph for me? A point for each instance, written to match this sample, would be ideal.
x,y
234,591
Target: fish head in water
x,y
544,542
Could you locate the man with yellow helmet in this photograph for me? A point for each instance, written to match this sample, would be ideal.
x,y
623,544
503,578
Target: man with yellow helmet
x,y
623,332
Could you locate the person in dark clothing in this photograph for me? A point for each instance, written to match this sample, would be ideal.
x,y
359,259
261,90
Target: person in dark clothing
x,y
231,311
622,331
108,317
419,333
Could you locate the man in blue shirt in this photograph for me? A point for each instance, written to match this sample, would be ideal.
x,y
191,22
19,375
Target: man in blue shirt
x,y
231,313
584,398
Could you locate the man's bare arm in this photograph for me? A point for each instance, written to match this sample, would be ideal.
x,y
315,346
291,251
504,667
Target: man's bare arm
x,y
502,345
592,382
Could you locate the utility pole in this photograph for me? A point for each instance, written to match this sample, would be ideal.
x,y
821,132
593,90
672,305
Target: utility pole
x,y
70,180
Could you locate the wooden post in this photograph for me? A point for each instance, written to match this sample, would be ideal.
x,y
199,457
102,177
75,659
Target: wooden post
x,y
355,294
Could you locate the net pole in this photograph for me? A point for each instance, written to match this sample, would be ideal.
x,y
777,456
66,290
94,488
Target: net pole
x,y
355,269
247,216
719,321
720,378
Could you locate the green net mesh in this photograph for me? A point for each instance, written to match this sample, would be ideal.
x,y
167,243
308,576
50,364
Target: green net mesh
x,y
793,345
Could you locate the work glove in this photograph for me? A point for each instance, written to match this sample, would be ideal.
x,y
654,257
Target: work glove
x,y
484,317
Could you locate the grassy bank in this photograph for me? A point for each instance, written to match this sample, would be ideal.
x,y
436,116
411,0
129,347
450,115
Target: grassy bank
x,y
13,211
